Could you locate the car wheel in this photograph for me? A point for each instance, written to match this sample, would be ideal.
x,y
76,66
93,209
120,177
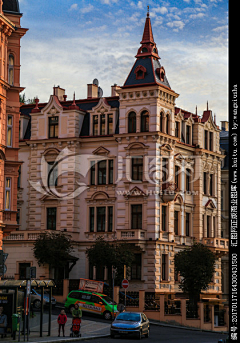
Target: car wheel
x,y
140,334
107,315
37,304
147,334
71,307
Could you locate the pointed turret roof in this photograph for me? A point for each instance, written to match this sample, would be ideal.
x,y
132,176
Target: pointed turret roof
x,y
147,68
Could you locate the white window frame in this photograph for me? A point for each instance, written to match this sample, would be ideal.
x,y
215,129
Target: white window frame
x,y
8,190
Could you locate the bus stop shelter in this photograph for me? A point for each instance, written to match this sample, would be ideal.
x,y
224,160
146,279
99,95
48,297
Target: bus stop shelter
x,y
16,286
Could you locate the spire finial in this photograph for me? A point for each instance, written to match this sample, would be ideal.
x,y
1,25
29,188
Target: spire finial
x,y
148,11
196,109
207,105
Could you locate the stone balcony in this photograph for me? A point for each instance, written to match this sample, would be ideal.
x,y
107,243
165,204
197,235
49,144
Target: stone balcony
x,y
220,245
131,235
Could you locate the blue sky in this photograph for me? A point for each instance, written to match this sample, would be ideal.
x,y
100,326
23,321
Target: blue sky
x,y
71,42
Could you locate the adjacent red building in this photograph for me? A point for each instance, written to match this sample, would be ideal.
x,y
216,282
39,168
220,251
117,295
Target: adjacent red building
x,y
11,33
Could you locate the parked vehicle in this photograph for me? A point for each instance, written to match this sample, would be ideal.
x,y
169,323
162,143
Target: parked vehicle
x,y
36,298
130,323
91,302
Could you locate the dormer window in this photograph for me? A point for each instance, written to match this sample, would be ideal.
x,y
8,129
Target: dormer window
x,y
53,127
140,72
161,73
144,50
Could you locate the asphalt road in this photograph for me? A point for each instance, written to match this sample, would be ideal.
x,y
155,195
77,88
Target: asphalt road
x,y
160,334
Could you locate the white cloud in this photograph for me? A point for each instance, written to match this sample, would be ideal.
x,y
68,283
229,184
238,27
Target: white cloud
x,y
73,7
176,25
161,10
140,5
87,9
197,16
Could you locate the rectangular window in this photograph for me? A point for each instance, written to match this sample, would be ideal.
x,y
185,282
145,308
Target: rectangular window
x,y
9,130
205,139
164,169
51,218
211,184
164,218
188,180
92,172
177,125
8,194
137,168
177,177
205,183
101,219
164,267
102,172
102,124
110,124
110,172
110,218
52,174
18,216
208,226
211,141
91,219
53,127
188,134
95,125
19,177
187,224
136,217
136,267
22,270
176,222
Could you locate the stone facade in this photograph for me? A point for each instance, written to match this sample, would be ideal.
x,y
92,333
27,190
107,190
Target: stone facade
x,y
131,167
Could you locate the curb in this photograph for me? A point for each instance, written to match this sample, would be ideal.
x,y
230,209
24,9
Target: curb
x,y
70,339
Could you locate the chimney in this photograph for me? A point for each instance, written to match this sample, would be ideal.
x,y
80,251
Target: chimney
x,y
224,125
59,92
92,91
115,87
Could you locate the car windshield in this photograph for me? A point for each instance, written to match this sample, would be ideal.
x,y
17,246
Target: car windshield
x,y
133,317
108,299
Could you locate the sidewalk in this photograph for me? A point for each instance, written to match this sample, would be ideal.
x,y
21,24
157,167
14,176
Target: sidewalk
x,y
89,329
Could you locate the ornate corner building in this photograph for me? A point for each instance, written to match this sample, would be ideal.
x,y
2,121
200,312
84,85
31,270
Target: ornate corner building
x,y
11,33
131,167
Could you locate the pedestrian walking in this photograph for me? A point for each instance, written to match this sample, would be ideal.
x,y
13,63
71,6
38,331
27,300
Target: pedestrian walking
x,y
62,319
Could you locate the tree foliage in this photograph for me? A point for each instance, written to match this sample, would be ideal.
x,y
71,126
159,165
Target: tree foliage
x,y
196,266
53,249
105,254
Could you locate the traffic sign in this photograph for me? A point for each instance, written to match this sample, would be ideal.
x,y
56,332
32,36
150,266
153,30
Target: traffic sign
x,y
125,283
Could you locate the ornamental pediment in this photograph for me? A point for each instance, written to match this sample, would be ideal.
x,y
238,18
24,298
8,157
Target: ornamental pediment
x,y
102,106
53,106
135,192
101,151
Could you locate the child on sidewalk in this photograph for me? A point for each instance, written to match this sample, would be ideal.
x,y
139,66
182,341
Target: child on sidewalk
x,y
62,319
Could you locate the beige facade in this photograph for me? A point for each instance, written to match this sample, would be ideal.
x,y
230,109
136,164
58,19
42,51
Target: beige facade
x,y
131,167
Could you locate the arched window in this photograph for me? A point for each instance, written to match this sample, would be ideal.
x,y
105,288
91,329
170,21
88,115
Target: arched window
x,y
132,122
11,69
145,121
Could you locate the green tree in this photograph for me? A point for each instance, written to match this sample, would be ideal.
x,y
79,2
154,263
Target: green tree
x,y
116,255
196,266
53,249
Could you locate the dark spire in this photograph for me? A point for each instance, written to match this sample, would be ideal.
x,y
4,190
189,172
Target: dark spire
x,y
148,47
